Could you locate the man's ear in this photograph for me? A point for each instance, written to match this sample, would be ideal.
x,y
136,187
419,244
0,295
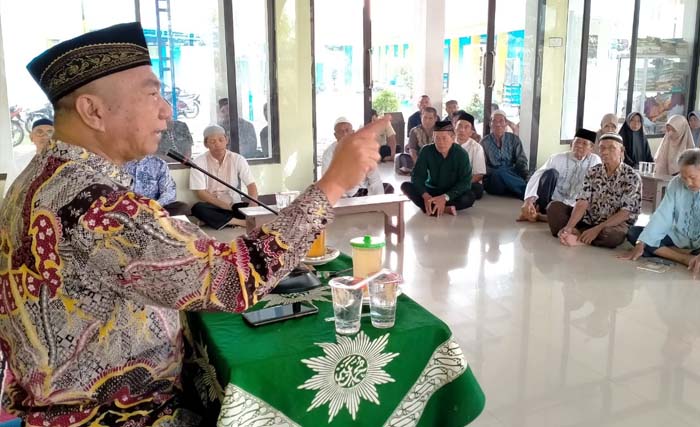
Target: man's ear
x,y
91,110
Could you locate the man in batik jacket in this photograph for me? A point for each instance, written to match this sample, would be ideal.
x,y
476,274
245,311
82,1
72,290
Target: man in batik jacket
x,y
92,275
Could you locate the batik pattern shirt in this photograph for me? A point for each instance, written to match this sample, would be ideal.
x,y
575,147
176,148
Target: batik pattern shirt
x,y
419,138
152,179
607,195
91,280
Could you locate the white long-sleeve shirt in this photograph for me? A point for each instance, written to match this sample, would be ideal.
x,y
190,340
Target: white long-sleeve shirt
x,y
571,174
373,181
476,156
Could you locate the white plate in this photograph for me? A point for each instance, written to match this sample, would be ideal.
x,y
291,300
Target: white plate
x,y
331,254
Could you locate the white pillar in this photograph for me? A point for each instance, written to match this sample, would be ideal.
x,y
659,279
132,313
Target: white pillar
x,y
429,42
6,155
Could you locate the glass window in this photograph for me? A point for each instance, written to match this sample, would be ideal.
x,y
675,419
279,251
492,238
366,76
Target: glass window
x,y
186,42
338,64
467,44
509,65
607,65
252,77
24,38
571,70
664,49
393,37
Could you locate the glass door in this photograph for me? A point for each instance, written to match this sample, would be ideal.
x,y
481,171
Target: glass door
x,y
338,61
468,77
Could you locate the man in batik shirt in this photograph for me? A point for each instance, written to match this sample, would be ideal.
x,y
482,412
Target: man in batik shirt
x,y
608,205
92,275
560,179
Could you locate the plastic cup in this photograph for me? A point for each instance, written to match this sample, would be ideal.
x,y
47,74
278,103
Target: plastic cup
x,y
367,255
285,198
383,292
347,304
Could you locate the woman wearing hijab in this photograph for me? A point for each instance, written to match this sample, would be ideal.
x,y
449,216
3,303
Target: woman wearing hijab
x,y
635,141
607,125
694,122
678,138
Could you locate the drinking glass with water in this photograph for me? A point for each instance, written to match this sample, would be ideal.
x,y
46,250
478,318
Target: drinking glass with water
x,y
347,304
383,291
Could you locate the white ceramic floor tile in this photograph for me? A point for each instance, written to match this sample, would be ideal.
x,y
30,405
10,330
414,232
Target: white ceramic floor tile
x,y
556,336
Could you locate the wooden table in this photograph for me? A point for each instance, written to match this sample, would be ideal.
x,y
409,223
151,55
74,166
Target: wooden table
x,y
654,188
391,205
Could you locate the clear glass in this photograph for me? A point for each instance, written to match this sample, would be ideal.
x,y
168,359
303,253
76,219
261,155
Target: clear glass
x,y
189,59
347,304
393,35
509,64
571,70
339,58
252,77
607,65
30,27
465,40
383,292
664,50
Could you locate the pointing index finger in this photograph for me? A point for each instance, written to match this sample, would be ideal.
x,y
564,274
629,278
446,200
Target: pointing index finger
x,y
374,127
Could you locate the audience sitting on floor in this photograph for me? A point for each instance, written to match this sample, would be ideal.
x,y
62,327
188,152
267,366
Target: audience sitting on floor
x,y
247,139
464,129
677,139
441,179
506,164
673,231
152,179
560,179
41,134
608,205
694,123
635,141
176,137
419,137
608,124
451,107
456,116
220,206
386,140
415,119
372,184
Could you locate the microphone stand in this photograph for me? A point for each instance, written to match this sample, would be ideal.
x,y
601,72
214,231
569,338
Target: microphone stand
x,y
300,278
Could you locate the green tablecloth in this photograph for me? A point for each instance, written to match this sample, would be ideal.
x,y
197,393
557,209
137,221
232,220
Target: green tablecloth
x,y
300,373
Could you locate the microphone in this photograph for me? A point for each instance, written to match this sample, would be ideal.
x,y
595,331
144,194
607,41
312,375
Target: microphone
x,y
181,158
300,279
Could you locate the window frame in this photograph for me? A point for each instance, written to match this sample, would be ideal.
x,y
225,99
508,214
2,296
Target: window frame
x,y
690,95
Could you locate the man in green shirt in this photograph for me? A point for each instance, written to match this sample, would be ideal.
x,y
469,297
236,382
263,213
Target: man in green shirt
x,y
441,179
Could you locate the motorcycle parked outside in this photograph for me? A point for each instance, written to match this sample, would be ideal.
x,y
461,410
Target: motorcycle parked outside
x,y
187,103
16,122
45,112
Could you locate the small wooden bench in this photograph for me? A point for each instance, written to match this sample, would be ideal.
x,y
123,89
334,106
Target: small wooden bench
x,y
654,188
391,205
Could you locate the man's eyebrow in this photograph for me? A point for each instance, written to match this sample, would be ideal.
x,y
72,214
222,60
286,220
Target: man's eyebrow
x,y
151,82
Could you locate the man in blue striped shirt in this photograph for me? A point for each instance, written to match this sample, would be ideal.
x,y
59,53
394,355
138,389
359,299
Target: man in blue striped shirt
x,y
506,164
